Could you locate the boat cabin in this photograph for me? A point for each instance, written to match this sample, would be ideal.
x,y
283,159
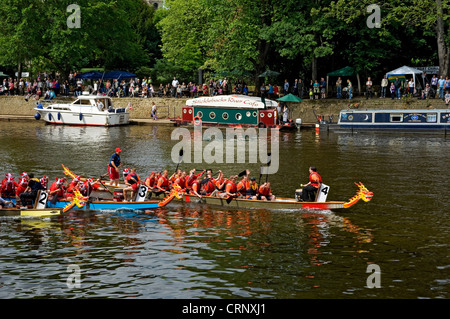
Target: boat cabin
x,y
231,110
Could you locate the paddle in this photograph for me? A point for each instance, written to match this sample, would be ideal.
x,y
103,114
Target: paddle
x,y
104,186
179,159
269,156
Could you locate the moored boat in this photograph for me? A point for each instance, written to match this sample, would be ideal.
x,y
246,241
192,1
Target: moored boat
x,y
234,111
85,110
413,120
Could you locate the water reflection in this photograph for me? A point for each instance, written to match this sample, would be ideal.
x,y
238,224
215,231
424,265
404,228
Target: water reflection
x,y
199,251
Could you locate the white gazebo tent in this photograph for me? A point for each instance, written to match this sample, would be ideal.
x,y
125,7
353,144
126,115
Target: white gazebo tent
x,y
404,71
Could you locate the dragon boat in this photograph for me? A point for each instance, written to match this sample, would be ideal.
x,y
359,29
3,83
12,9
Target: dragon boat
x,y
281,203
81,202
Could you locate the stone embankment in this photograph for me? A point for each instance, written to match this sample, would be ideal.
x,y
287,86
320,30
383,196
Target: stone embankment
x,y
15,107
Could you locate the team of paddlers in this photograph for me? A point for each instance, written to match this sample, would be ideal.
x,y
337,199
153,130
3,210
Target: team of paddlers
x,y
195,183
200,184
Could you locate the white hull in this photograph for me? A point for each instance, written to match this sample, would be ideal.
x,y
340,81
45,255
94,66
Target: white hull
x,y
84,111
86,118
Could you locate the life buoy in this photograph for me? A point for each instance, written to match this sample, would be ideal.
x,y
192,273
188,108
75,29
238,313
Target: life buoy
x,y
197,121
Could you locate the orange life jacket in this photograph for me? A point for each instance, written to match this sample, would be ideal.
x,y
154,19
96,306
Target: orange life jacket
x,y
315,181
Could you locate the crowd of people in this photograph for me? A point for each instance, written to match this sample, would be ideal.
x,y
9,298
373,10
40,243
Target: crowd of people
x,y
49,86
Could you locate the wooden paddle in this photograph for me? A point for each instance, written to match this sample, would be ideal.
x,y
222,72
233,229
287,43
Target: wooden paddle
x,y
269,159
179,159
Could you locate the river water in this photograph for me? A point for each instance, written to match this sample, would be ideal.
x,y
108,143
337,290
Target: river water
x,y
205,252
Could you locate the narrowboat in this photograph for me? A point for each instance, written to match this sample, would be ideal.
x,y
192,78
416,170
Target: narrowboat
x,y
233,110
85,110
416,120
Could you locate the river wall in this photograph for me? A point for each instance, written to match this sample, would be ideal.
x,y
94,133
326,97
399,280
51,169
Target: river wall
x,y
172,107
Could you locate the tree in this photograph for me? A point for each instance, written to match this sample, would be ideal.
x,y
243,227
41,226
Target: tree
x,y
20,32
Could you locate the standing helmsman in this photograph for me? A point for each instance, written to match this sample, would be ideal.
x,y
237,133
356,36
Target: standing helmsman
x,y
113,167
310,190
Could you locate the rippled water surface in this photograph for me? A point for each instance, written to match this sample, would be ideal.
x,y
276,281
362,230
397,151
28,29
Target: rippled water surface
x,y
197,251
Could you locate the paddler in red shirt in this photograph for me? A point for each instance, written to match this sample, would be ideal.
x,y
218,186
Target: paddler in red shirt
x,y
133,181
265,193
58,188
162,185
309,190
9,186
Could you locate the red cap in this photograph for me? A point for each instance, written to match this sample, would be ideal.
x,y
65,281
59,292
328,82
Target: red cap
x,y
118,150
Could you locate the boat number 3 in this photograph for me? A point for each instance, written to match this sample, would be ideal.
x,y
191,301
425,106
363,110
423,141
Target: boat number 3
x,y
142,193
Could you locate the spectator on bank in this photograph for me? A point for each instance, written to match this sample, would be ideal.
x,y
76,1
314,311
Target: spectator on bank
x,y
174,86
392,90
349,89
323,88
411,87
384,84
441,83
447,97
447,84
434,84
397,84
339,88
286,87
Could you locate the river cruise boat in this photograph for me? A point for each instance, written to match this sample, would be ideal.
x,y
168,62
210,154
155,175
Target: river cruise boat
x,y
416,120
85,110
233,110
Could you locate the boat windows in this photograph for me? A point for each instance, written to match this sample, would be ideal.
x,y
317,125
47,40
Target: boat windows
x,y
432,118
238,116
255,114
212,115
200,114
248,114
396,118
262,115
82,102
225,115
269,115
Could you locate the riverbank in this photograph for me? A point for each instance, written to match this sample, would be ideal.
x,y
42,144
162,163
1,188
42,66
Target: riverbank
x,y
16,108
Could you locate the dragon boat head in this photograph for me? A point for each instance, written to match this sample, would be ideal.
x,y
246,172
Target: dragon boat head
x,y
364,193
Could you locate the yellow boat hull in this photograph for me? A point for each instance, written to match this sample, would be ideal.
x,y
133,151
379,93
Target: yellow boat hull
x,y
46,212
